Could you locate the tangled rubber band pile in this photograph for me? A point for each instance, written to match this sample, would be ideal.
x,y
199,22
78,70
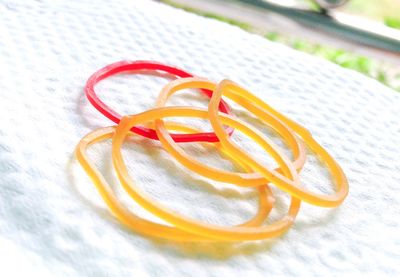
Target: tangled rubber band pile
x,y
286,177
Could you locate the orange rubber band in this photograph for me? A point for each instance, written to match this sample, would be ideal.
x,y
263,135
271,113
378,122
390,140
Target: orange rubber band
x,y
238,94
262,111
143,226
237,233
237,178
266,199
285,177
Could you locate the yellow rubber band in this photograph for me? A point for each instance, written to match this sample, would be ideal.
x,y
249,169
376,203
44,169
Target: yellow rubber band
x,y
256,175
236,233
137,223
240,179
236,93
266,199
262,111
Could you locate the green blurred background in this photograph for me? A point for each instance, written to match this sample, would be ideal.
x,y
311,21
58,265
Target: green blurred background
x,y
385,11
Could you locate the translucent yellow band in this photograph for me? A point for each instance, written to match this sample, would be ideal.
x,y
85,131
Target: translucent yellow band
x,y
143,226
237,233
228,88
268,115
256,175
237,178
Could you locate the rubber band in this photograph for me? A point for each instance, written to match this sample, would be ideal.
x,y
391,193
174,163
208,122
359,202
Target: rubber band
x,y
238,233
141,225
135,66
151,124
228,89
237,178
261,110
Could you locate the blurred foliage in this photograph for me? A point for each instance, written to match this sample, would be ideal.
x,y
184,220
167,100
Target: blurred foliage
x,y
313,5
367,66
392,22
386,11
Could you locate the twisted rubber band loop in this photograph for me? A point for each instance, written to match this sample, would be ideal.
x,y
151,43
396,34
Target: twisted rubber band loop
x,y
226,88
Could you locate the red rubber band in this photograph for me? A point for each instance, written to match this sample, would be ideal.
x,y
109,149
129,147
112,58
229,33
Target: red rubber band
x,y
130,66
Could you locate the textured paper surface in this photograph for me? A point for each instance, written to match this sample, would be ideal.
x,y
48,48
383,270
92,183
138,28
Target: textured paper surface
x,y
52,221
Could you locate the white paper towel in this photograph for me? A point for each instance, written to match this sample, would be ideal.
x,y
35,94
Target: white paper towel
x,y
53,222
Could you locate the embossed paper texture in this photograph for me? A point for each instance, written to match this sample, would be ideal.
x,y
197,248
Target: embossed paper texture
x,y
52,220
